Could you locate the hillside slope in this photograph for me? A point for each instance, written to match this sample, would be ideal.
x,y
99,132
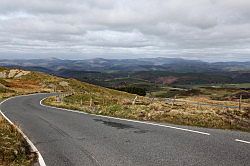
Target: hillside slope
x,y
98,100
17,82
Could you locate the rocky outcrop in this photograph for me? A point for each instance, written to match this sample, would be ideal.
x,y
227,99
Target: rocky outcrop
x,y
13,73
3,74
63,83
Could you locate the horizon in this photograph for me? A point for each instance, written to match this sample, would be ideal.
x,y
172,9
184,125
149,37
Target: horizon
x,y
136,58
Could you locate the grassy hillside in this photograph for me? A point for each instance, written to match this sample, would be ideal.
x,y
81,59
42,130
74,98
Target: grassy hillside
x,y
39,82
98,100
33,82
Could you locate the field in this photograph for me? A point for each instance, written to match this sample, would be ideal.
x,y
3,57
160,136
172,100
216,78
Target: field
x,y
229,94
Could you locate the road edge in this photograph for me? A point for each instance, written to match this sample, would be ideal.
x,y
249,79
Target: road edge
x,y
33,147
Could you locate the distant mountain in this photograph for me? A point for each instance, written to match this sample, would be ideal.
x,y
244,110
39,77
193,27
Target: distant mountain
x,y
232,66
141,64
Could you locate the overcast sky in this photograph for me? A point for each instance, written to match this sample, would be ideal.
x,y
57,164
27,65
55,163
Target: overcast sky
x,y
211,30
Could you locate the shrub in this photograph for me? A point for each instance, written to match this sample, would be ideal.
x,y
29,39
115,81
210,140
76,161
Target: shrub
x,y
133,90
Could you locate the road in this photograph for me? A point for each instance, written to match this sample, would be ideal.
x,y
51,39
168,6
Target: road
x,y
70,138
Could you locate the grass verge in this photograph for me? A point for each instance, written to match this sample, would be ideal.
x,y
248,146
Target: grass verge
x,y
14,150
158,111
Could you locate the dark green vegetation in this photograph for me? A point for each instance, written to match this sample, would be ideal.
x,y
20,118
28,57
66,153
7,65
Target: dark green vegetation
x,y
14,150
153,79
134,90
169,92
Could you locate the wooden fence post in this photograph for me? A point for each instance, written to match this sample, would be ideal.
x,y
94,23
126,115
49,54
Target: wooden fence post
x,y
90,102
173,100
134,100
240,102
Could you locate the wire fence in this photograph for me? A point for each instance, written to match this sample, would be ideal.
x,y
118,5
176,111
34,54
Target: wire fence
x,y
173,100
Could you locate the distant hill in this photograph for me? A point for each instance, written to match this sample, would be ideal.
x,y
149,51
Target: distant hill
x,y
141,64
122,72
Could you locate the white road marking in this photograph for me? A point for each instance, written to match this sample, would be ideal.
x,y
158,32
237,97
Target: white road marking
x,y
33,147
128,120
238,140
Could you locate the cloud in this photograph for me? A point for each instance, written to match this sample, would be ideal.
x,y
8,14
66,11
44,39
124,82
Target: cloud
x,y
202,29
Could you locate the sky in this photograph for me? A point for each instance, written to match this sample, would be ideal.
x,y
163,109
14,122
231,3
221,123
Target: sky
x,y
209,30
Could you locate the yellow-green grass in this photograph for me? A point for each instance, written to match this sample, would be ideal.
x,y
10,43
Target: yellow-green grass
x,y
240,85
14,150
145,109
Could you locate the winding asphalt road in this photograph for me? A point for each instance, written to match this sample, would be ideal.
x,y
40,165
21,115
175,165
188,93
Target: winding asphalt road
x,y
70,138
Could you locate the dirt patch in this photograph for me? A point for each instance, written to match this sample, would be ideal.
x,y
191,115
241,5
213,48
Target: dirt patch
x,y
167,80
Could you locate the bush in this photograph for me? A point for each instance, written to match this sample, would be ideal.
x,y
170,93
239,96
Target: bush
x,y
133,90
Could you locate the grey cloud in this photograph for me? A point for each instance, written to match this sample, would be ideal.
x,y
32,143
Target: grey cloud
x,y
180,28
